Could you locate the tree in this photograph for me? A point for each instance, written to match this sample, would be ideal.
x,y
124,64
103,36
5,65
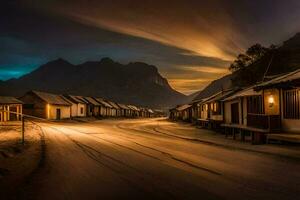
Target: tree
x,y
253,53
256,51
241,62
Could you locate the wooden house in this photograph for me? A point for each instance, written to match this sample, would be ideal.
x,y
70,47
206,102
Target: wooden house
x,y
115,109
88,105
245,112
280,103
45,105
93,107
78,108
10,109
105,108
196,110
125,111
134,111
216,110
181,112
204,110
150,112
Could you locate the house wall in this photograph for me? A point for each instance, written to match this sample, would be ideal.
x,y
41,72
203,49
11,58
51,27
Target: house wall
x,y
65,111
113,112
96,111
79,106
74,110
274,108
288,125
245,111
89,110
204,112
34,106
227,111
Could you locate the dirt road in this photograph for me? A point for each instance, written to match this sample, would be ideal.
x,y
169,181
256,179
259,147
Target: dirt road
x,y
151,159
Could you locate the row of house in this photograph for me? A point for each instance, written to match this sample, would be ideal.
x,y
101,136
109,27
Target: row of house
x,y
53,106
268,110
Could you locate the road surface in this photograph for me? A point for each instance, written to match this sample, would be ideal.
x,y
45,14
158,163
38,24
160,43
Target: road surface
x,y
132,159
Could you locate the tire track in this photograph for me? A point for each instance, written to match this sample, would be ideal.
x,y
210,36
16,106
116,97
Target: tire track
x,y
162,152
116,166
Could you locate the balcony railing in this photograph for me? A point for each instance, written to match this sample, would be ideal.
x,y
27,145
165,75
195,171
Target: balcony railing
x,y
270,122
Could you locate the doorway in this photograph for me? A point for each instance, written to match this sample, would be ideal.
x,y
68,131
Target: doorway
x,y
58,113
235,113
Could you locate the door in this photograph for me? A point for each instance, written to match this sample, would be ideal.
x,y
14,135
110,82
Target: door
x,y
58,112
235,113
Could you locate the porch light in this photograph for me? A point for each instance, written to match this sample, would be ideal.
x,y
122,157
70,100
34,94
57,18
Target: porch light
x,y
271,101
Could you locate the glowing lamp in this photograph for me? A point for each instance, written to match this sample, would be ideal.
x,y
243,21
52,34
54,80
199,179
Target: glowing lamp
x,y
271,101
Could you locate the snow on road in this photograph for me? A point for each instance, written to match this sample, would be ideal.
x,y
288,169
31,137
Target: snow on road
x,y
149,159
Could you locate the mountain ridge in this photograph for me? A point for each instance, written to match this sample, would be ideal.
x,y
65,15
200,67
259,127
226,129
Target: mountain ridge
x,y
136,82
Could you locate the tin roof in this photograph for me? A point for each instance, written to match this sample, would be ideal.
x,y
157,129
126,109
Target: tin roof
x,y
243,93
74,99
82,99
54,99
132,107
281,79
123,106
92,101
183,107
113,104
103,103
9,100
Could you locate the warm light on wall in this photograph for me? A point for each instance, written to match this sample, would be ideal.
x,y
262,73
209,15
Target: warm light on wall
x,y
271,100
48,111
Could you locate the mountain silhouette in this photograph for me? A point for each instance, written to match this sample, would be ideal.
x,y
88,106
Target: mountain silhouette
x,y
135,83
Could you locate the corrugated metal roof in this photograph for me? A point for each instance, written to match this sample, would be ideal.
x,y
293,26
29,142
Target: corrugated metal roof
x,y
92,101
9,100
113,104
150,111
66,99
243,93
51,98
104,103
123,106
81,99
183,107
281,79
74,99
132,107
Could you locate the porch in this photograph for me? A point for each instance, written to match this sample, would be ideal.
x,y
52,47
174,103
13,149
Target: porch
x,y
257,135
284,137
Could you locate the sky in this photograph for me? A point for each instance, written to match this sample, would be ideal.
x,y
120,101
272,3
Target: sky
x,y
191,42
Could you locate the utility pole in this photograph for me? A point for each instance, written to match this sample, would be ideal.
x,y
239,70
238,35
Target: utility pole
x,y
23,130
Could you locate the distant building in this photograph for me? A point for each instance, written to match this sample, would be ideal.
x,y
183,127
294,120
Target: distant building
x,y
125,111
46,105
105,108
78,108
116,110
10,109
93,107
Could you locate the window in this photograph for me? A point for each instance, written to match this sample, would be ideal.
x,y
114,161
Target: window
x,y
81,110
255,104
291,104
216,108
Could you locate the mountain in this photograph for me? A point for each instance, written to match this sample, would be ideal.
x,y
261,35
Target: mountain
x,y
283,59
215,86
135,83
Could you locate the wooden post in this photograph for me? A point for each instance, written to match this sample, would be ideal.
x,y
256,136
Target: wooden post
x,y
23,130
